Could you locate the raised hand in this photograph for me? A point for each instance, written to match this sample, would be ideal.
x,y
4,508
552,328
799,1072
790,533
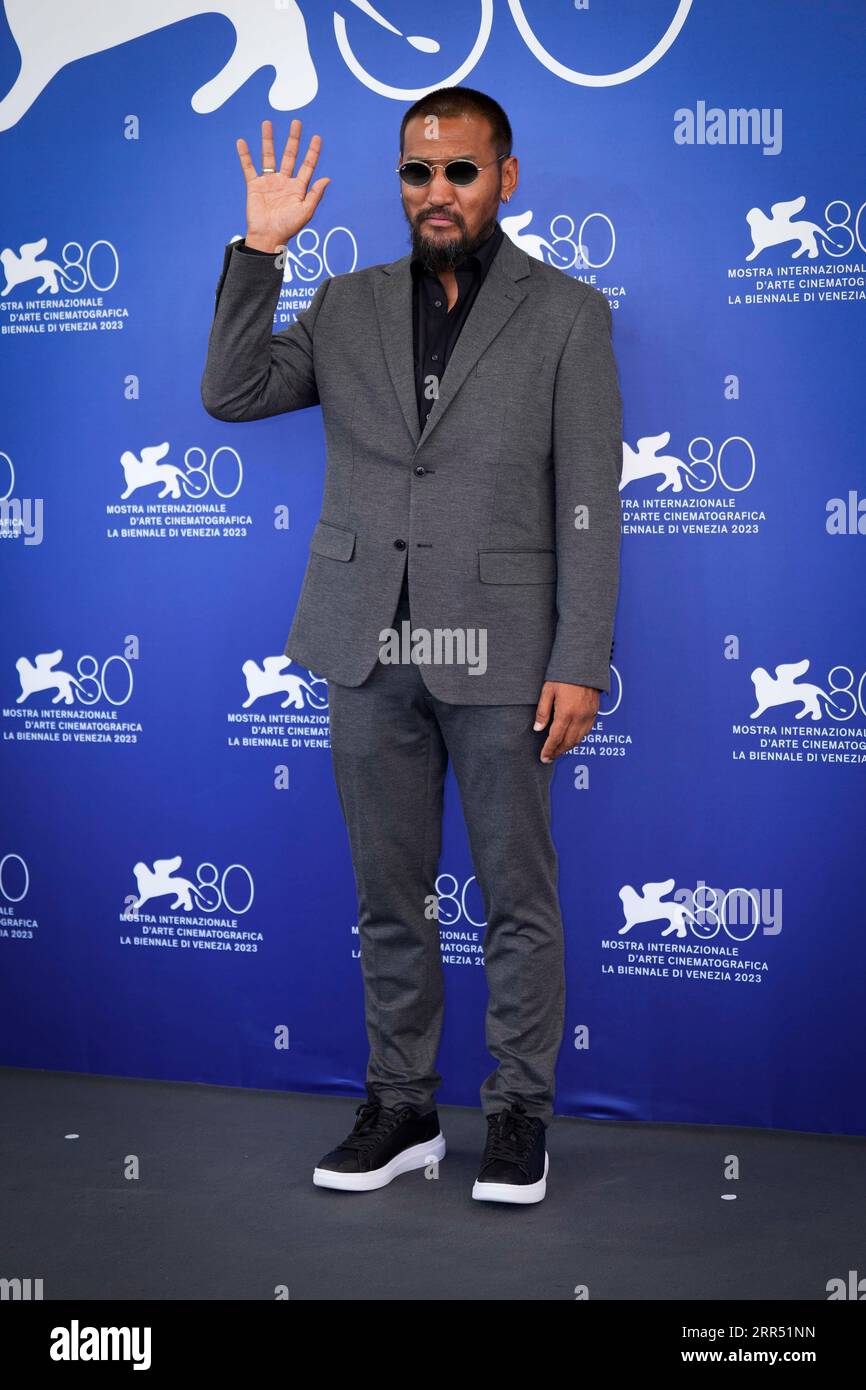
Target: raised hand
x,y
279,204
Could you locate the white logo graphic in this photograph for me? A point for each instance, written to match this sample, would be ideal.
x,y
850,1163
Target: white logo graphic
x,y
646,462
647,906
530,242
565,250
272,678
725,911
309,257
782,690
148,469
567,74
5,877
778,228
39,675
195,479
51,35
74,274
160,881
25,266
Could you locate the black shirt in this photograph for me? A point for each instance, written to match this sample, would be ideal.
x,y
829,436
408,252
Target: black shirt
x,y
435,328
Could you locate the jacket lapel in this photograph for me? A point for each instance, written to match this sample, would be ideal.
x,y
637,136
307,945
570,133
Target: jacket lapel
x,y
499,296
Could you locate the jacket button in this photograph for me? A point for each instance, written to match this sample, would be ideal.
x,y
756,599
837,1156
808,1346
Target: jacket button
x,y
399,545
420,470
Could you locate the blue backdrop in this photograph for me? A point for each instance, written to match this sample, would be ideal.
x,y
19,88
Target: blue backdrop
x,y
176,892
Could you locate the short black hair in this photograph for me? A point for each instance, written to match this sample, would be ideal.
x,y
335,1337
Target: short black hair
x,y
461,101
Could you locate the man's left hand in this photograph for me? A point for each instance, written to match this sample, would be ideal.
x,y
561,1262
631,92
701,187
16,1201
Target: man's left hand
x,y
574,708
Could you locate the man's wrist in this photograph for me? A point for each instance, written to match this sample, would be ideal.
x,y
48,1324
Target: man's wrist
x,y
263,244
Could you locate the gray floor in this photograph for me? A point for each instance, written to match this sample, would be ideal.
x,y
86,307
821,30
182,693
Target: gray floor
x,y
224,1206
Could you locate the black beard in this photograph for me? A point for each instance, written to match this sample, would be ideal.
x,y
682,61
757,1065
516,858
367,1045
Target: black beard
x,y
445,254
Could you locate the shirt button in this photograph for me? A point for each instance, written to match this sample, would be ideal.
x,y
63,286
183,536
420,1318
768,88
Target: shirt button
x,y
399,545
421,471
438,303
434,357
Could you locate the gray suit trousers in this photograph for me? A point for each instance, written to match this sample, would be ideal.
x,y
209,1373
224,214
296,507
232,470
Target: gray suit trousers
x,y
390,744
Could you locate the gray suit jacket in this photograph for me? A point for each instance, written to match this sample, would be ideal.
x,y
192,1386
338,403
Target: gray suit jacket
x,y
505,507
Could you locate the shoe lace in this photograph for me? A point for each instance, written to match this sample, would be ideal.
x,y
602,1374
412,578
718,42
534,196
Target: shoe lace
x,y
511,1136
373,1123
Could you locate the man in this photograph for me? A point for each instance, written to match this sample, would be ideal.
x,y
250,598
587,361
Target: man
x,y
472,413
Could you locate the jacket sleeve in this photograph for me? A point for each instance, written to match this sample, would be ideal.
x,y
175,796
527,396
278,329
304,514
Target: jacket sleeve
x,y
587,444
251,372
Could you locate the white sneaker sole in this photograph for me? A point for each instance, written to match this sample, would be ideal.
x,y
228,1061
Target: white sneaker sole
x,y
522,1193
405,1162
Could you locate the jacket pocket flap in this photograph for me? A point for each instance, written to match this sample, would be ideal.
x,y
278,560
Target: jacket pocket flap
x,y
517,566
332,540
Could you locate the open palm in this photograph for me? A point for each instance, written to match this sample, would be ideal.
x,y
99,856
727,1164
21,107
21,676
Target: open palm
x,y
279,204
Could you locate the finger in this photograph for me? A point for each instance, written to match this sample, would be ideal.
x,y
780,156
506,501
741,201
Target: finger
x,y
309,163
287,163
543,708
268,161
577,732
314,194
246,160
553,744
569,738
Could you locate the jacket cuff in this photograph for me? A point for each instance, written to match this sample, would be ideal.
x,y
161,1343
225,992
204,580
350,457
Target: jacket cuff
x,y
589,673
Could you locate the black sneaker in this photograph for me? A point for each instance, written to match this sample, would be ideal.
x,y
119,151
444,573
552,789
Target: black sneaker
x,y
514,1163
386,1141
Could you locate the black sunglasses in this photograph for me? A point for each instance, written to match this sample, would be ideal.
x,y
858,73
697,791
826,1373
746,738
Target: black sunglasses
x,y
417,172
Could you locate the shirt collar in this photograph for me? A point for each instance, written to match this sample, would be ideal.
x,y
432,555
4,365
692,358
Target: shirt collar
x,y
476,260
